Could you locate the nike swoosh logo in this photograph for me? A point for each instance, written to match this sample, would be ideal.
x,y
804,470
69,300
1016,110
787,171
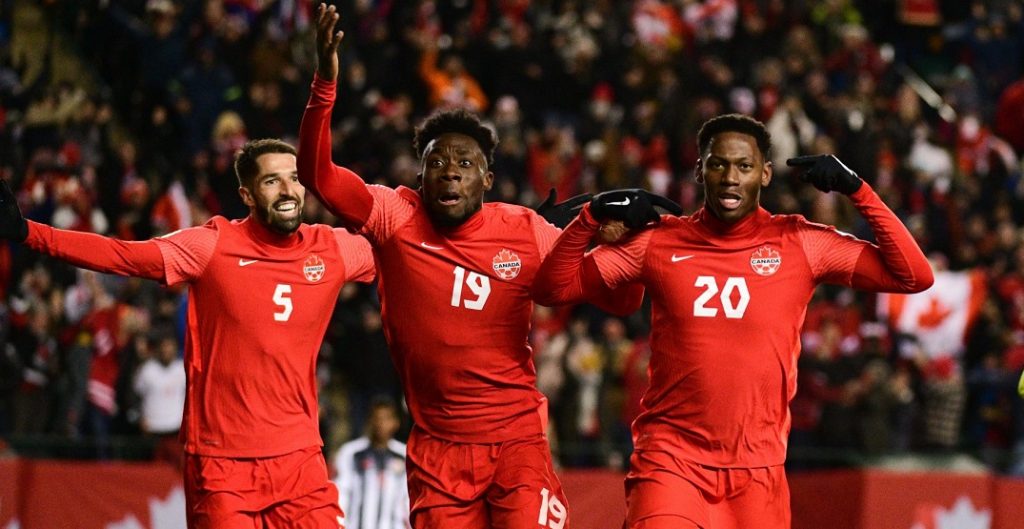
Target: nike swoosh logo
x,y
246,262
677,258
429,247
624,202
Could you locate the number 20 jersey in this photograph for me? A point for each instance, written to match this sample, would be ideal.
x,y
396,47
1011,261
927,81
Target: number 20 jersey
x,y
728,303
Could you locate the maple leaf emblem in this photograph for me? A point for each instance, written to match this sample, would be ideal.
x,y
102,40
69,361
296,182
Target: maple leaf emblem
x,y
963,516
506,264
934,316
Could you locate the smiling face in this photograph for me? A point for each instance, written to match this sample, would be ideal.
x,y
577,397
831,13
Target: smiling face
x,y
276,196
733,171
453,177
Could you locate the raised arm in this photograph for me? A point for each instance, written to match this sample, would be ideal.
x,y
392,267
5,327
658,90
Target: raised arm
x,y
896,264
342,191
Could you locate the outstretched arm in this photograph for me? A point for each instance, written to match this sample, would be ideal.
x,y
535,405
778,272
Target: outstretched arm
x,y
342,191
95,252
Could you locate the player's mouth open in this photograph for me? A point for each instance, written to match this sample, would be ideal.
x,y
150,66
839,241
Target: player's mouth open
x,y
730,200
286,206
449,198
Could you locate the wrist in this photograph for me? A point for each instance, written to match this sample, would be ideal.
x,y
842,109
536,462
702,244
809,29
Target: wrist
x,y
587,219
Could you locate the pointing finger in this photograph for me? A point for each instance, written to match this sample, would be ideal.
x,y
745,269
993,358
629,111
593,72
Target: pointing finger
x,y
803,161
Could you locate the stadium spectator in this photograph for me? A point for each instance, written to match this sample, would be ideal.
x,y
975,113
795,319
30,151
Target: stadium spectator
x,y
160,385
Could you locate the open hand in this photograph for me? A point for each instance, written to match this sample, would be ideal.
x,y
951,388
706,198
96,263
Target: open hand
x,y
12,225
327,41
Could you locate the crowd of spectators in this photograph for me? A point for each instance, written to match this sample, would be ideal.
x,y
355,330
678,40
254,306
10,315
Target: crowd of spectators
x,y
923,98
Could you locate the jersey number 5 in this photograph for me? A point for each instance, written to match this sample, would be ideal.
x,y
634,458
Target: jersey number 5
x,y
479,285
733,309
282,299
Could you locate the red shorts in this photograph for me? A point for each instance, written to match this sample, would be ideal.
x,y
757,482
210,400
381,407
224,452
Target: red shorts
x,y
254,493
509,485
663,491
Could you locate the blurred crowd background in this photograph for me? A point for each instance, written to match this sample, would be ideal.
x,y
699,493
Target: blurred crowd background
x,y
923,98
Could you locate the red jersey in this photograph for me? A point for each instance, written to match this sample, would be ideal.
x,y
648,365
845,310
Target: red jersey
x,y
456,302
728,303
259,304
456,307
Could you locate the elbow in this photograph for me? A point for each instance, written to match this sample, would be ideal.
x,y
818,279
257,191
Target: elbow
x,y
925,280
545,295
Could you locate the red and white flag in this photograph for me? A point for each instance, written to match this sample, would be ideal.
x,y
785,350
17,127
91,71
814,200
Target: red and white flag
x,y
939,317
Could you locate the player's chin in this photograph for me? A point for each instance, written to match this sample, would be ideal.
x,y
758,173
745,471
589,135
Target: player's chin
x,y
285,225
450,215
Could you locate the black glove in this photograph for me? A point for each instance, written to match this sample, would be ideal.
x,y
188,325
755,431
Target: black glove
x,y
561,214
827,173
634,207
12,225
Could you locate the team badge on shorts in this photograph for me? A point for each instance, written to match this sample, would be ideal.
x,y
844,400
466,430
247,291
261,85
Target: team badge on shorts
x,y
765,260
314,268
506,264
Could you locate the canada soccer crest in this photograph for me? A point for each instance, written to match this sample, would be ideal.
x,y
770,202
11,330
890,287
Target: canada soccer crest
x,y
314,268
506,264
765,260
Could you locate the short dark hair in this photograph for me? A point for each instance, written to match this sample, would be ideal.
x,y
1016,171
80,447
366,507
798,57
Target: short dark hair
x,y
741,123
460,121
246,168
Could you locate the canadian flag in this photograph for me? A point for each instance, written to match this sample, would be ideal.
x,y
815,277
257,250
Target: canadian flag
x,y
940,316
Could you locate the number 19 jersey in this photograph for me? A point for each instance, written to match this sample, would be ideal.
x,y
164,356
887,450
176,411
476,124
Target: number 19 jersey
x,y
456,307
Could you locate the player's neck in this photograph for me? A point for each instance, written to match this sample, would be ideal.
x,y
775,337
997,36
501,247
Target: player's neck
x,y
740,228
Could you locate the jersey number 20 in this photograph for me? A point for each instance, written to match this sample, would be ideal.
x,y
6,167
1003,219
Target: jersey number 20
x,y
732,307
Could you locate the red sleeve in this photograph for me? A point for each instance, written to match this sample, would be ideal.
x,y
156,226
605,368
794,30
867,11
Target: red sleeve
x,y
95,252
568,275
896,264
358,256
187,252
342,191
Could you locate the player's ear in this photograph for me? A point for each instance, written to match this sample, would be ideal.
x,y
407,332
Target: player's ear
x,y
246,196
698,172
419,179
766,174
488,180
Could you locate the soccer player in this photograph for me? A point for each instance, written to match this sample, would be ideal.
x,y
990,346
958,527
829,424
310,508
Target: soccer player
x,y
729,287
371,473
455,278
258,307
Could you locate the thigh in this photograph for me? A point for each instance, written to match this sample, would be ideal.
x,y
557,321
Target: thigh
x,y
219,494
305,497
660,492
445,488
526,492
760,499
454,514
